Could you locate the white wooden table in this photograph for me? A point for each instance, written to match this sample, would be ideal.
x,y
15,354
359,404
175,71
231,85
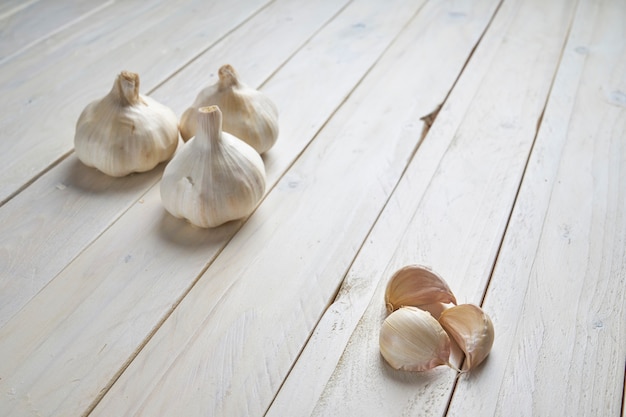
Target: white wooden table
x,y
516,195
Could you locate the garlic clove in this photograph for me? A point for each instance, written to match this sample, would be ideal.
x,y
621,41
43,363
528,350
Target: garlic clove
x,y
472,329
415,285
412,340
247,113
215,177
125,131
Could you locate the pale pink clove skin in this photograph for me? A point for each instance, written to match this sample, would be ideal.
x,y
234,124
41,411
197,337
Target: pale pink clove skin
x,y
416,285
472,329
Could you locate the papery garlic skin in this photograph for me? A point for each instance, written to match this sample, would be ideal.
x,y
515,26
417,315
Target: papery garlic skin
x,y
215,177
472,329
413,340
125,131
416,285
247,113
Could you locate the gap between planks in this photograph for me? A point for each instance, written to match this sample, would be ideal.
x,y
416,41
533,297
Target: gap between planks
x,y
582,76
218,53
52,32
116,35
227,290
455,384
528,158
522,164
11,7
217,254
149,91
167,315
428,120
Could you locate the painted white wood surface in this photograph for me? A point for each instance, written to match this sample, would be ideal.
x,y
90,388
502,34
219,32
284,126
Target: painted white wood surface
x,y
81,202
449,212
259,303
96,314
9,8
32,24
558,290
53,81
108,302
305,383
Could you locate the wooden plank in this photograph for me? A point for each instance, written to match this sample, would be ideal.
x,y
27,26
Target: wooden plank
x,y
31,25
229,344
59,215
449,212
49,86
10,7
557,292
97,313
301,390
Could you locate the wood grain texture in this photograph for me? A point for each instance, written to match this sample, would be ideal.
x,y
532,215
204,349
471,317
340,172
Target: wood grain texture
x,y
456,196
81,202
98,311
109,306
451,26
52,84
32,24
10,7
252,302
557,292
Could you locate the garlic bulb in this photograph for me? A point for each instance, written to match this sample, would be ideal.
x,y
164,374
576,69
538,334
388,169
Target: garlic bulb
x,y
248,113
125,131
412,340
415,285
472,329
215,177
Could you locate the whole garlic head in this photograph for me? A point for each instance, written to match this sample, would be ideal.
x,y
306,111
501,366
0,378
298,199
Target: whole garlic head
x,y
215,177
247,113
125,131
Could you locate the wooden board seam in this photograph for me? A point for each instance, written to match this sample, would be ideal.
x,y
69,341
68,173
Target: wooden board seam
x,y
54,32
526,165
177,302
427,120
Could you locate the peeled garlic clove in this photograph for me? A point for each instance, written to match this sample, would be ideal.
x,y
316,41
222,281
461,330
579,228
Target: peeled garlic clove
x,y
247,113
125,131
412,340
472,329
215,177
415,285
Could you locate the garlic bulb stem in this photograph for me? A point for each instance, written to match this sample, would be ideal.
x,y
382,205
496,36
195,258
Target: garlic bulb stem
x,y
210,119
126,88
228,77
